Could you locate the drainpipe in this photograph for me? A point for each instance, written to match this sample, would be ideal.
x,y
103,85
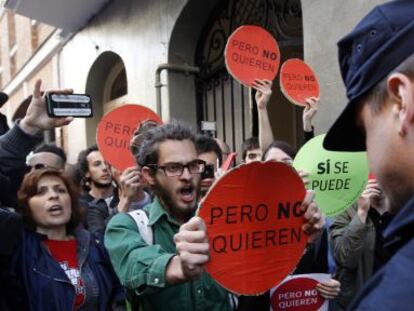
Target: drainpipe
x,y
186,69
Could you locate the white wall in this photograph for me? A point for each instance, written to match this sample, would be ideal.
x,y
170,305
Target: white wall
x,y
324,23
139,32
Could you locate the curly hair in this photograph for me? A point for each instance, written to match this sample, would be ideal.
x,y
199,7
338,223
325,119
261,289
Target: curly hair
x,y
149,151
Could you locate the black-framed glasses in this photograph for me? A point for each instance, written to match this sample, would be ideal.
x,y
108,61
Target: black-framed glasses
x,y
176,169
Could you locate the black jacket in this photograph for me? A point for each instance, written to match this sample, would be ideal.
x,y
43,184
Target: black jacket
x,y
15,145
11,291
3,124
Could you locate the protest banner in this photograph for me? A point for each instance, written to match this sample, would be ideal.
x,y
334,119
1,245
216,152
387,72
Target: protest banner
x,y
338,178
298,293
298,81
115,131
254,219
252,53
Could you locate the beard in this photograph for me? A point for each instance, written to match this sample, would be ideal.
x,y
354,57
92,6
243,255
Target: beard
x,y
166,198
100,185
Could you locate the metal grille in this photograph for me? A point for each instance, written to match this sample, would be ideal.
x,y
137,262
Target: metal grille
x,y
219,97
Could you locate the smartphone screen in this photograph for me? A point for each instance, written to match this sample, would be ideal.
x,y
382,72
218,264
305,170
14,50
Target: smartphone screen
x,y
69,105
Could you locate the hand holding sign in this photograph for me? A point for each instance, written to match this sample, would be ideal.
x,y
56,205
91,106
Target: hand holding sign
x,y
372,196
329,289
309,112
314,217
263,92
252,53
254,216
298,82
192,247
129,185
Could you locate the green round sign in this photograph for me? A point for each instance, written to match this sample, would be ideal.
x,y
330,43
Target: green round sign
x,y
338,178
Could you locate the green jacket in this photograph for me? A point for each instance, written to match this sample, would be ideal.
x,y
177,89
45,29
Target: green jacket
x,y
353,244
141,267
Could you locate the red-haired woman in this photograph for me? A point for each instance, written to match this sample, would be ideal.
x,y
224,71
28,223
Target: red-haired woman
x,y
61,266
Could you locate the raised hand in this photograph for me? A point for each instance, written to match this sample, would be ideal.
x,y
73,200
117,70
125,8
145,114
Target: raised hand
x,y
36,118
309,113
370,197
263,92
129,185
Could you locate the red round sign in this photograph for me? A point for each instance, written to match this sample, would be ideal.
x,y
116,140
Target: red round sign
x,y
298,294
298,81
254,223
252,53
115,131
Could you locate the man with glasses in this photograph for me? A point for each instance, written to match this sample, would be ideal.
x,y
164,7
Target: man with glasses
x,y
154,275
47,155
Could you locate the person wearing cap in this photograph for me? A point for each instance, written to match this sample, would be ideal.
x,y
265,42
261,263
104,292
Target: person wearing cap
x,y
3,120
377,65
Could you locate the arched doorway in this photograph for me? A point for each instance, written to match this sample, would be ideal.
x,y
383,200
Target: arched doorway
x,y
107,85
222,99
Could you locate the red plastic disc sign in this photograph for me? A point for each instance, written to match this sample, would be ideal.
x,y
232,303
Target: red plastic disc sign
x,y
298,81
297,294
115,131
252,53
254,221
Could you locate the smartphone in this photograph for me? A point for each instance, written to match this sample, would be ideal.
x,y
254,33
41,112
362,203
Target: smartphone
x,y
69,105
208,172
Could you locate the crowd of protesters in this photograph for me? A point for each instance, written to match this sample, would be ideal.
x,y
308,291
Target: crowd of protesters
x,y
86,236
